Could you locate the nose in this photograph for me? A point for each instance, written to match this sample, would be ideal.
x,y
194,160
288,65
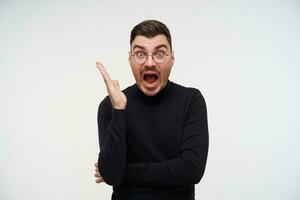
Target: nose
x,y
149,61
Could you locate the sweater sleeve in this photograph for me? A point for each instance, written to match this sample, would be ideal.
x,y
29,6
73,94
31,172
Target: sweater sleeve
x,y
189,166
112,141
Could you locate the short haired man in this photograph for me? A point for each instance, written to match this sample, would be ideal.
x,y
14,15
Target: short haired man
x,y
153,135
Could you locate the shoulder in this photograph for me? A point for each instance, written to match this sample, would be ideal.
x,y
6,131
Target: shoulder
x,y
189,92
104,108
105,102
195,105
192,97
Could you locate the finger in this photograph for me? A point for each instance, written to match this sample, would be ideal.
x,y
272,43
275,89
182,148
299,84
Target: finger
x,y
116,84
103,71
99,180
97,175
96,164
97,170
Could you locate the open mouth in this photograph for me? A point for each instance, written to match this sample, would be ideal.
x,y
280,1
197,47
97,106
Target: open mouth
x,y
150,78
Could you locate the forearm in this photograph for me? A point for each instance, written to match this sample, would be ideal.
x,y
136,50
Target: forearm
x,y
112,156
187,169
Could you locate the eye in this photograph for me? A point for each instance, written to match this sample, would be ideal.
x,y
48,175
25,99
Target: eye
x,y
140,54
159,54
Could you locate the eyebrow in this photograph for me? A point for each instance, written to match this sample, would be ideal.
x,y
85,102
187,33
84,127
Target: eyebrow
x,y
142,47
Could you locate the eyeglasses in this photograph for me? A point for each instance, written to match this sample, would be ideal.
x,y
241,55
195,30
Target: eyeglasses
x,y
141,57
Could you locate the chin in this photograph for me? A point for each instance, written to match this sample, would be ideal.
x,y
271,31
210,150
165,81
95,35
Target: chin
x,y
149,92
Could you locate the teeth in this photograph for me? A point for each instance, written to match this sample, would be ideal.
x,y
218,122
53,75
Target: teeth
x,y
150,74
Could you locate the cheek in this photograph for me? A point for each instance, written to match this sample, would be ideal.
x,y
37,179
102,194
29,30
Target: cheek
x,y
136,72
166,71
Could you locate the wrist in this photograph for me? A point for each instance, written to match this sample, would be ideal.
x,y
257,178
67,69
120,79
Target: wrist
x,y
119,107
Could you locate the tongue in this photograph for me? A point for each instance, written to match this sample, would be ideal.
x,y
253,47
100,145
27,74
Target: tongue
x,y
150,78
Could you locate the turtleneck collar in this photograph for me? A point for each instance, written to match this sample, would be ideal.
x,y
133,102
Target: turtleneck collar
x,y
161,94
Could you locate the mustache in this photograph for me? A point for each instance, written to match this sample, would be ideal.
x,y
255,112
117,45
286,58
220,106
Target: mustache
x,y
152,68
153,71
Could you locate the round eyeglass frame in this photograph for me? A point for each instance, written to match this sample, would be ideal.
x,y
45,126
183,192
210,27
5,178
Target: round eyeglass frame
x,y
147,56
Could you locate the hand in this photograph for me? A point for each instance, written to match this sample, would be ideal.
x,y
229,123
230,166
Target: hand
x,y
117,97
97,174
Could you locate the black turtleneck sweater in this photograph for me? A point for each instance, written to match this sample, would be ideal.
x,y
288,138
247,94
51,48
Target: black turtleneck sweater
x,y
157,147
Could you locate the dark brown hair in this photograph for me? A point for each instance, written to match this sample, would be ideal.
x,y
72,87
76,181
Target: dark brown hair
x,y
149,29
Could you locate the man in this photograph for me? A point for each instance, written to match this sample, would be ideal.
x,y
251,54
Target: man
x,y
153,135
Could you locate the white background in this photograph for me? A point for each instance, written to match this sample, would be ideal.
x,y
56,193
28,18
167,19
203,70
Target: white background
x,y
242,55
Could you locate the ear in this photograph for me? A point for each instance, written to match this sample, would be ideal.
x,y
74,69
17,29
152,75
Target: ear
x,y
173,58
129,57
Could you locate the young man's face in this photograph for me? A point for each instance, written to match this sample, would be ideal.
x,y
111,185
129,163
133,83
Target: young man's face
x,y
152,75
